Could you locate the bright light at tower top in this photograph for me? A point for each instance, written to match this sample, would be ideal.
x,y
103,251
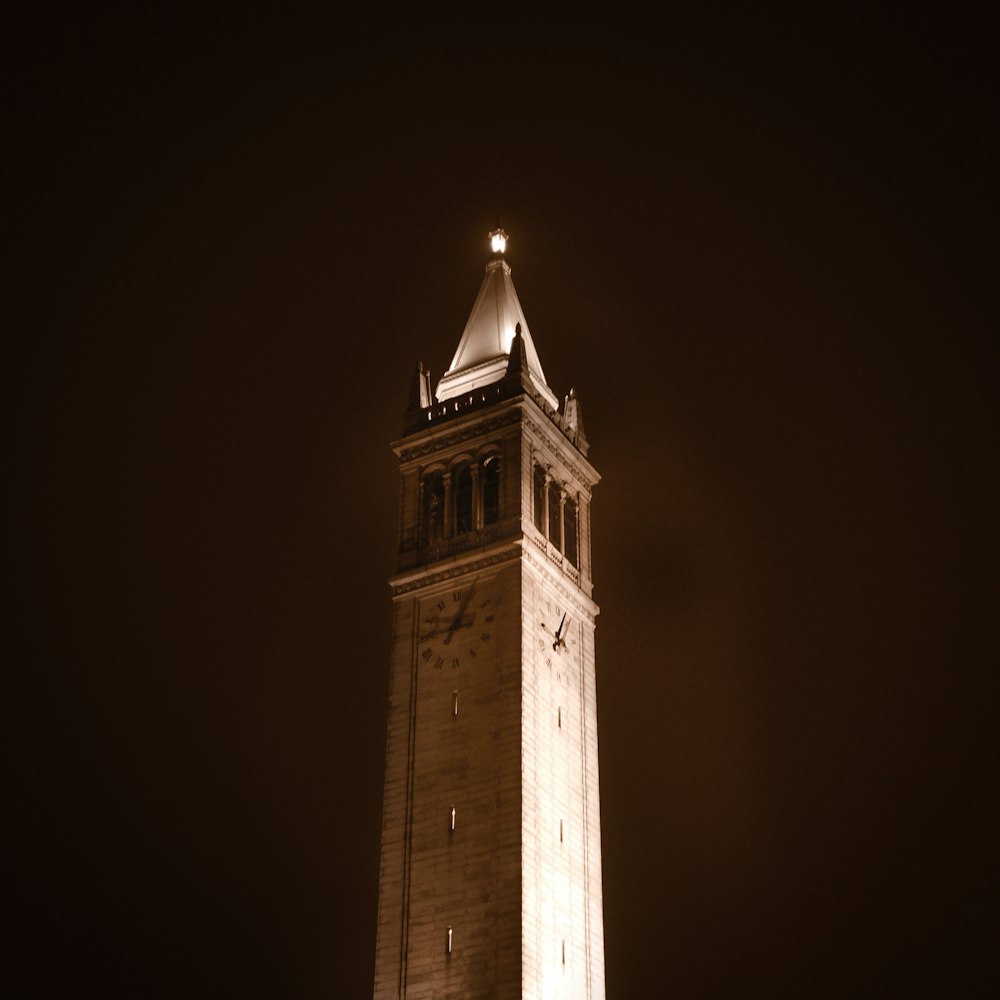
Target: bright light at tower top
x,y
498,241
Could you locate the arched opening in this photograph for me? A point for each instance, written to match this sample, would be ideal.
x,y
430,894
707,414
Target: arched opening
x,y
538,498
463,500
433,508
491,489
554,532
570,532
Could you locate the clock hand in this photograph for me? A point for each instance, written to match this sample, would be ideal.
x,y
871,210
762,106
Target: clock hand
x,y
560,641
465,600
427,636
449,629
459,620
457,624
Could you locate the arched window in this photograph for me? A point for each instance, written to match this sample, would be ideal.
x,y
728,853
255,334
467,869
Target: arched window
x,y
463,500
569,531
538,497
491,489
554,514
434,508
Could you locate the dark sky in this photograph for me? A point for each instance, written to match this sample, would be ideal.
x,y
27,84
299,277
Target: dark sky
x,y
757,247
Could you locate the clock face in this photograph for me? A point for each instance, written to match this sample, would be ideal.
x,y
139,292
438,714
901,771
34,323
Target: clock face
x,y
557,643
457,626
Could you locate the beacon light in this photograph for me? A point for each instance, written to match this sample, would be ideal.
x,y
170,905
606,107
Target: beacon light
x,y
498,241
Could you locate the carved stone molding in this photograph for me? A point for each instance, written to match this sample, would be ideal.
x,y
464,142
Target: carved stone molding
x,y
458,569
582,604
588,480
457,436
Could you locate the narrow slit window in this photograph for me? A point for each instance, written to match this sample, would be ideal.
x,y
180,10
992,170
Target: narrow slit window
x,y
559,716
451,821
555,535
570,533
538,493
491,489
433,509
560,831
448,945
563,951
463,501
454,703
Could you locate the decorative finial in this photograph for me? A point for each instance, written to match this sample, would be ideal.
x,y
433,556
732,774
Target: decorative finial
x,y
518,361
498,240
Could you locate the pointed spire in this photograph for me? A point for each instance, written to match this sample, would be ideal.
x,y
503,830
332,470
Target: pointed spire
x,y
518,361
420,388
482,355
573,416
572,413
420,395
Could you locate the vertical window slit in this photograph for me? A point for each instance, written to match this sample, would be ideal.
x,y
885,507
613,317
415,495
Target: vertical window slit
x,y
448,947
560,831
463,501
570,532
538,497
491,489
454,703
452,821
434,509
555,534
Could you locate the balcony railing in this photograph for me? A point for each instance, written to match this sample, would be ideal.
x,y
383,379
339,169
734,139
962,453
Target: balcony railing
x,y
442,548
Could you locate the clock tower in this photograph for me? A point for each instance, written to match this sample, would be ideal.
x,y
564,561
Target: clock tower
x,y
490,876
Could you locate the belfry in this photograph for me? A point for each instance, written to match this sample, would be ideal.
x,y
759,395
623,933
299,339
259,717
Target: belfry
x,y
490,874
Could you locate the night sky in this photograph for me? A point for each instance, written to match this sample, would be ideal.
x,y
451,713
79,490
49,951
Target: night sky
x,y
757,248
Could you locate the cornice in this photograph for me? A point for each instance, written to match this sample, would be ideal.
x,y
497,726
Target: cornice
x,y
585,473
573,595
418,580
453,435
413,448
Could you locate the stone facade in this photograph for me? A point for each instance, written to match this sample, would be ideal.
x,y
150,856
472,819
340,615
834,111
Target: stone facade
x,y
490,879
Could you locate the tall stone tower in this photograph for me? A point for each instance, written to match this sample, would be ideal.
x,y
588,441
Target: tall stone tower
x,y
490,880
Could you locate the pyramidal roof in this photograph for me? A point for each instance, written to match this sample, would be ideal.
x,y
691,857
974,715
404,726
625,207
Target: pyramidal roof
x,y
484,350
